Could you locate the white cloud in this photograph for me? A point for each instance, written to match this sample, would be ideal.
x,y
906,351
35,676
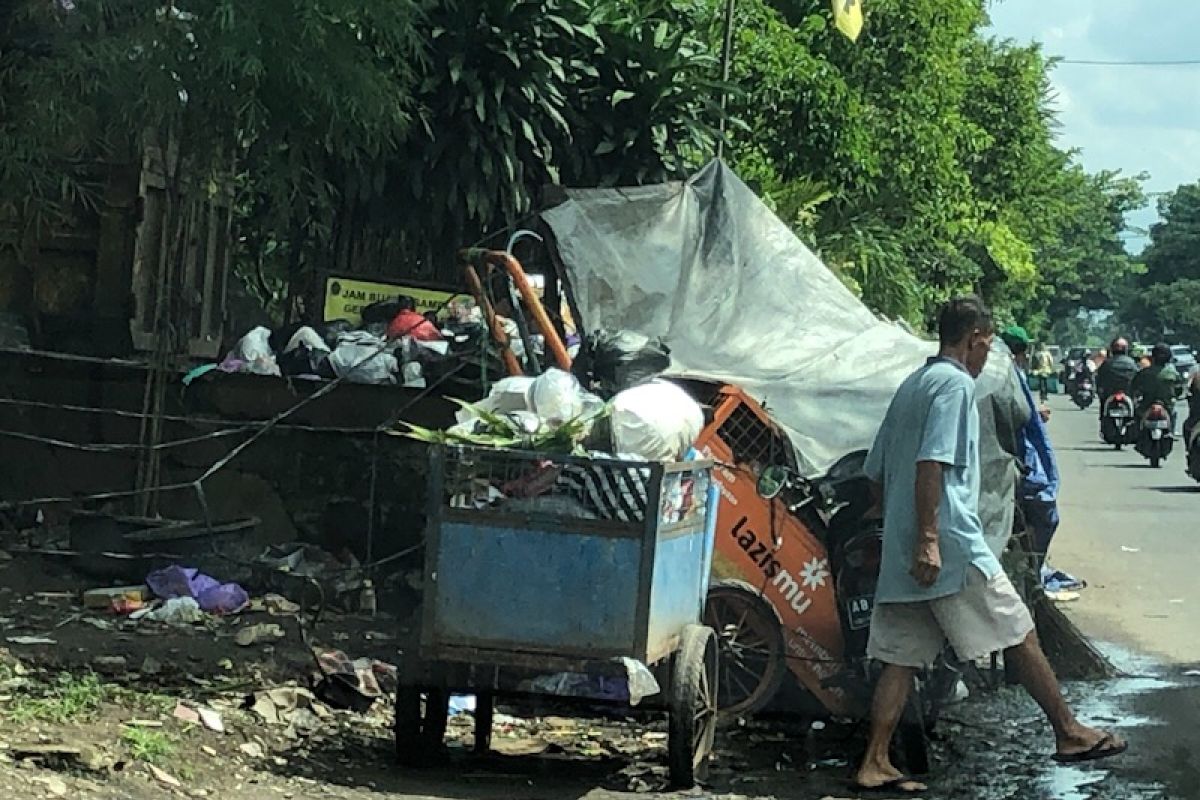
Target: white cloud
x,y
1131,118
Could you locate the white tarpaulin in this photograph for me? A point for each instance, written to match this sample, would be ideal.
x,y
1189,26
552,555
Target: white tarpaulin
x,y
738,298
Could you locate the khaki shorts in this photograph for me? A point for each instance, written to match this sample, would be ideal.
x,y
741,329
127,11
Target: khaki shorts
x,y
986,616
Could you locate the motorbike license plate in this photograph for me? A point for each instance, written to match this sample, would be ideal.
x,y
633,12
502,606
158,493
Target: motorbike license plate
x,y
1120,413
858,612
1156,434
1159,424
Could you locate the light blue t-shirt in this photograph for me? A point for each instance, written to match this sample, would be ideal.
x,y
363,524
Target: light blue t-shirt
x,y
933,417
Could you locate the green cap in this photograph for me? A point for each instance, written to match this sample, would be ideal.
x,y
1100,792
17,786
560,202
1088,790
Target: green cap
x,y
1015,334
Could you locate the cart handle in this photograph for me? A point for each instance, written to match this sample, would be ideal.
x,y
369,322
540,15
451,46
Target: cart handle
x,y
479,257
489,315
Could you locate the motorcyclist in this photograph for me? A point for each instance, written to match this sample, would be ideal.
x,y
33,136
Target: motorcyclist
x,y
1116,373
1157,383
1193,405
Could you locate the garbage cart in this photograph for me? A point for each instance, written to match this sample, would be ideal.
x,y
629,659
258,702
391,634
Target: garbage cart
x,y
570,577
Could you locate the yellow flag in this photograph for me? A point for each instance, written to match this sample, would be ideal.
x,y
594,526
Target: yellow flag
x,y
848,16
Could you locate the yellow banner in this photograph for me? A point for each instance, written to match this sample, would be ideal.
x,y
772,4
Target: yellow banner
x,y
345,298
848,16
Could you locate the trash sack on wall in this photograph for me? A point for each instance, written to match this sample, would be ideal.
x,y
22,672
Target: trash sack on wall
x,y
623,359
657,421
253,353
362,358
331,330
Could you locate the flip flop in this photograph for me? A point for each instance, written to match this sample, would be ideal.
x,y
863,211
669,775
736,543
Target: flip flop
x,y
894,786
1105,748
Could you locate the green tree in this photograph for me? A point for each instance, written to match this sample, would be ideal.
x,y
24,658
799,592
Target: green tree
x,y
1165,301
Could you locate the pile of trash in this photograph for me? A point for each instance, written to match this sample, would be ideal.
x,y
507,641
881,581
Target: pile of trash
x,y
627,411
394,344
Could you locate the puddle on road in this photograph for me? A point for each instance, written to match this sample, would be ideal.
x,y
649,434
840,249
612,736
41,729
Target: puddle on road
x,y
1070,783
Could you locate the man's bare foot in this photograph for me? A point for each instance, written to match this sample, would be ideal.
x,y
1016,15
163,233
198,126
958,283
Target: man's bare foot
x,y
878,777
1089,744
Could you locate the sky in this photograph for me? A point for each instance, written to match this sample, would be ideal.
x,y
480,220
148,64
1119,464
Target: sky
x,y
1132,118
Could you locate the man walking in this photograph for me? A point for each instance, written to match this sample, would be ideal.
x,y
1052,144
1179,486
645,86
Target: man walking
x,y
939,580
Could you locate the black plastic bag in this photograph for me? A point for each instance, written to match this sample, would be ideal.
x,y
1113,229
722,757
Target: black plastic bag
x,y
382,311
622,359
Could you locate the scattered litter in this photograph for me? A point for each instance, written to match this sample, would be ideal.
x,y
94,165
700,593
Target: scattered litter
x,y
1063,596
150,666
1178,601
277,605
210,594
179,611
54,784
164,778
260,633
252,749
1125,549
208,751
211,719
186,714
818,725
1192,673
292,706
54,596
143,723
354,685
96,622
30,640
520,747
106,599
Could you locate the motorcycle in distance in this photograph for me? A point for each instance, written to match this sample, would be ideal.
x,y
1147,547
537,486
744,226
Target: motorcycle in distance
x,y
1083,391
1117,423
1155,437
1193,452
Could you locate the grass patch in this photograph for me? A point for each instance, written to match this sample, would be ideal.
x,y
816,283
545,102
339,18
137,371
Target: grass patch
x,y
69,698
147,745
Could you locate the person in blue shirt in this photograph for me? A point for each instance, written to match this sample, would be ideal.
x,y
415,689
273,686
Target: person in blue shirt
x,y
939,580
1040,478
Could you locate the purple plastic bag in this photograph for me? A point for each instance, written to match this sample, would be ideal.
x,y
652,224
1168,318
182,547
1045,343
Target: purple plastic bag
x,y
209,593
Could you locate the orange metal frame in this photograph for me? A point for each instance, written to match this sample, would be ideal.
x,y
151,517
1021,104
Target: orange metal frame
x,y
763,544
475,259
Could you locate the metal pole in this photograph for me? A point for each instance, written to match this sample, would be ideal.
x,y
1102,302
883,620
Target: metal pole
x,y
726,63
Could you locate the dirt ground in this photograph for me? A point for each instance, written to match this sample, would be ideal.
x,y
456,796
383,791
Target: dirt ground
x,y
76,723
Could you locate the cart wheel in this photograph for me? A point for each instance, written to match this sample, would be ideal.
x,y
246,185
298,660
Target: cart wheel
x,y
420,725
750,644
693,706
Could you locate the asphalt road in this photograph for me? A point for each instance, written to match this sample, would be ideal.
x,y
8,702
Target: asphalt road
x,y
1131,532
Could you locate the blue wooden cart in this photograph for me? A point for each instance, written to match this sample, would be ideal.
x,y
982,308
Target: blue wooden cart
x,y
564,576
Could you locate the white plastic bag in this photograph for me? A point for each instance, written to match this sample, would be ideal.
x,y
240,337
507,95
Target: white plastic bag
x,y
557,397
657,421
362,358
414,376
255,350
507,396
308,337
